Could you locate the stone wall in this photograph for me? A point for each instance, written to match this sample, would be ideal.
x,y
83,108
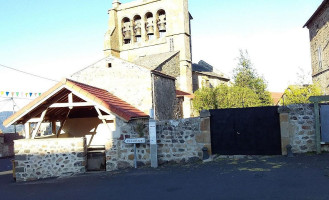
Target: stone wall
x,y
45,158
129,82
319,31
7,144
202,80
171,67
164,97
178,141
298,128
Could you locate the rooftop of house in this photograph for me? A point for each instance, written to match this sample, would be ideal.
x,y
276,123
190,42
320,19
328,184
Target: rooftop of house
x,y
315,14
276,96
180,93
204,68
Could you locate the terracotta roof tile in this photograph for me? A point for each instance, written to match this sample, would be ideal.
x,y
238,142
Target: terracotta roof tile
x,y
276,96
180,93
108,100
97,95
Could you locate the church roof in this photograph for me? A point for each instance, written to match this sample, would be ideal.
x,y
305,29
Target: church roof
x,y
106,101
153,61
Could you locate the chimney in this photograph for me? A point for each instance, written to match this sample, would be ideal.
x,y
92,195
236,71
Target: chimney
x,y
116,3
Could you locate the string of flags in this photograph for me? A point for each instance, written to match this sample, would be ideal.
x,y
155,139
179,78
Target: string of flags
x,y
19,94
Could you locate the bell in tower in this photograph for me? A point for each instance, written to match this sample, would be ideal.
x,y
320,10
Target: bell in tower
x,y
149,24
126,31
162,22
138,27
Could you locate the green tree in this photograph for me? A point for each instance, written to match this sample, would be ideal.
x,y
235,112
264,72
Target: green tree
x,y
247,90
296,94
245,76
205,99
225,96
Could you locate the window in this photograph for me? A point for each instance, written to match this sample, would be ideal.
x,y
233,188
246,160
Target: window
x,y
320,57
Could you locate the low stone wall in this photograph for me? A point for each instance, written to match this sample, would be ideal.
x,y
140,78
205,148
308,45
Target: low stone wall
x,y
1,145
298,128
7,144
45,158
178,141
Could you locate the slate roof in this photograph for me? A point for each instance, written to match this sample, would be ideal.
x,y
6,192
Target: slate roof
x,y
100,97
151,62
206,69
318,10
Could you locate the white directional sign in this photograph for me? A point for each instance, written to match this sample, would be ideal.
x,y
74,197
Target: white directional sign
x,y
152,131
135,140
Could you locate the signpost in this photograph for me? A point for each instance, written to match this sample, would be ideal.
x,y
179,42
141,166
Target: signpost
x,y
135,141
153,143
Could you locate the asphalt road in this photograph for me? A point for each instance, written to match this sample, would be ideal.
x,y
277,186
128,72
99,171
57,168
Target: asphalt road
x,y
278,177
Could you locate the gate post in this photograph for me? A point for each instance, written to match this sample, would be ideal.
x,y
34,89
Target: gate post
x,y
205,136
284,129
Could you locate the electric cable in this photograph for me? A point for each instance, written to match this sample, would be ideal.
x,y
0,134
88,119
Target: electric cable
x,y
28,73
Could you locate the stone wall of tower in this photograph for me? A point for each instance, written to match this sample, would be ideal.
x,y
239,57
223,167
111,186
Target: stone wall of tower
x,y
176,37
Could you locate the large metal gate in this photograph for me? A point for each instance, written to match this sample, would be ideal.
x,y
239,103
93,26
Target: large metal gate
x,y
246,131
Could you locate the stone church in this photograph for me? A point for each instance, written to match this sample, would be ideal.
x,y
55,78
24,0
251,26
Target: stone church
x,y
319,32
149,58
147,65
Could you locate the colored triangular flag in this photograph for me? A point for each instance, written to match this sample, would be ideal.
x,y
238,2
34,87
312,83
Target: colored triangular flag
x,y
30,94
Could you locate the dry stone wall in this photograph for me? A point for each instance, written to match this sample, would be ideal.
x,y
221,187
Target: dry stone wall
x,y
298,128
164,97
7,144
45,158
178,141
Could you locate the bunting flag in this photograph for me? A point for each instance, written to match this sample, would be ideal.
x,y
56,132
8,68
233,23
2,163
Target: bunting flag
x,y
16,94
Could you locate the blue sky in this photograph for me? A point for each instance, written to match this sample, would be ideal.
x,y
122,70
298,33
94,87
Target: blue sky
x,y
55,38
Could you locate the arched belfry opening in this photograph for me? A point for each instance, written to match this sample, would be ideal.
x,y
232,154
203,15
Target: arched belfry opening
x,y
149,25
126,30
137,25
162,22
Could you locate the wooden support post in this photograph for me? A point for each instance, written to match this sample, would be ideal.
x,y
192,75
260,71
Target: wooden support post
x,y
63,123
100,116
27,130
317,128
53,127
39,124
70,97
